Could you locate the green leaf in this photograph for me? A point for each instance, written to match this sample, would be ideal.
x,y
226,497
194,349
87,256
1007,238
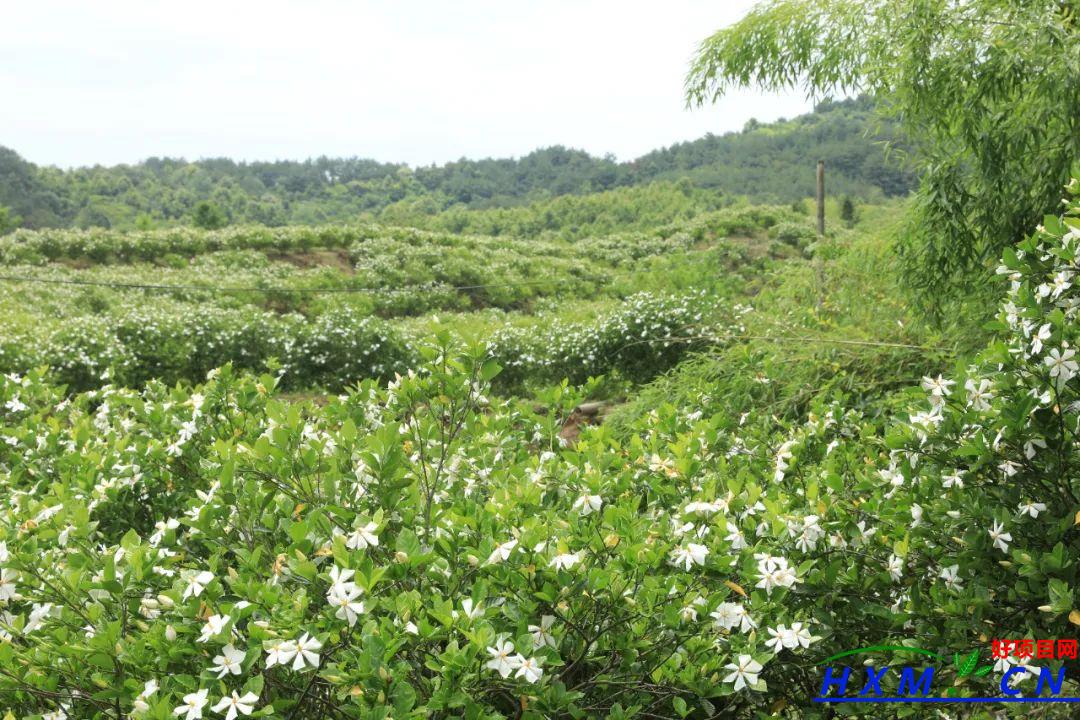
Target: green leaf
x,y
967,665
489,370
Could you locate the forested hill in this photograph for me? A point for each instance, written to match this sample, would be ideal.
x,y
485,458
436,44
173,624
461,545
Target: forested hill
x,y
768,162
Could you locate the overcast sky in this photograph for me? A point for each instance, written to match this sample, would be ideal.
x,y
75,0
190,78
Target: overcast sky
x,y
114,81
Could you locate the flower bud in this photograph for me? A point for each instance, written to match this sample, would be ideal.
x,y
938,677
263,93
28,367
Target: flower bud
x,y
170,633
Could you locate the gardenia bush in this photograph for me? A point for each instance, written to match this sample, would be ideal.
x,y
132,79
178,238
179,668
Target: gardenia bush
x,y
336,348
647,335
421,549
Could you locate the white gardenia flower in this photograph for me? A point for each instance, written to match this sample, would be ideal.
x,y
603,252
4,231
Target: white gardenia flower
x,y
865,533
1038,338
1001,539
564,561
979,395
362,538
692,554
196,583
229,662
280,652
728,614
774,572
895,567
1032,508
1061,364
588,504
503,660
149,688
949,575
1062,282
689,612
789,637
735,536
55,715
894,477
214,625
344,599
541,634
468,610
501,552
307,651
244,705
806,532
706,509
953,480
744,672
38,613
193,705
938,388
528,668
15,404
799,635
1032,445
776,641
916,515
7,584
341,580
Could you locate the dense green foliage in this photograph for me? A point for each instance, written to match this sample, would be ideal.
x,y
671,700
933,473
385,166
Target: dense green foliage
x,y
103,305
987,89
419,548
764,162
8,222
346,469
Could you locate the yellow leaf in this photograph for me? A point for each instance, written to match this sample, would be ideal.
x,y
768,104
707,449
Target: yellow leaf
x,y
735,587
1077,520
1074,617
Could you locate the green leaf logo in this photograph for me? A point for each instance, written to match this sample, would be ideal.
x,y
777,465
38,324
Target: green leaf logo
x,y
965,666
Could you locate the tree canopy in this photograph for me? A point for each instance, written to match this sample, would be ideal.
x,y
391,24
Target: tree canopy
x,y
764,162
989,88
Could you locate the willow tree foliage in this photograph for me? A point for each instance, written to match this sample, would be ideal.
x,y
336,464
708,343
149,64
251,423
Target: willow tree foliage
x,y
988,89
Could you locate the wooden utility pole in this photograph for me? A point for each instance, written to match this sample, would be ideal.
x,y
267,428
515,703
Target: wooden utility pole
x,y
821,198
819,271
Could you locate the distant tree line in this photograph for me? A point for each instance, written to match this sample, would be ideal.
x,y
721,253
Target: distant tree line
x,y
766,162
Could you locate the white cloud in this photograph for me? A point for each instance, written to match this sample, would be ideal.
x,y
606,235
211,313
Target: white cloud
x,y
419,82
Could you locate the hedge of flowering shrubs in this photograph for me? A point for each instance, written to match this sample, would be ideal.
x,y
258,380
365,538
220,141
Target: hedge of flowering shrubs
x,y
113,246
101,245
140,344
648,334
420,548
643,337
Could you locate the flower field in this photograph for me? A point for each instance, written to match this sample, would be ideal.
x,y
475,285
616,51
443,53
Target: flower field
x,y
425,546
780,423
323,304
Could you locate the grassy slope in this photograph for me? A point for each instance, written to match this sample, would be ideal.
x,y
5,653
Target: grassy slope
x,y
840,324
